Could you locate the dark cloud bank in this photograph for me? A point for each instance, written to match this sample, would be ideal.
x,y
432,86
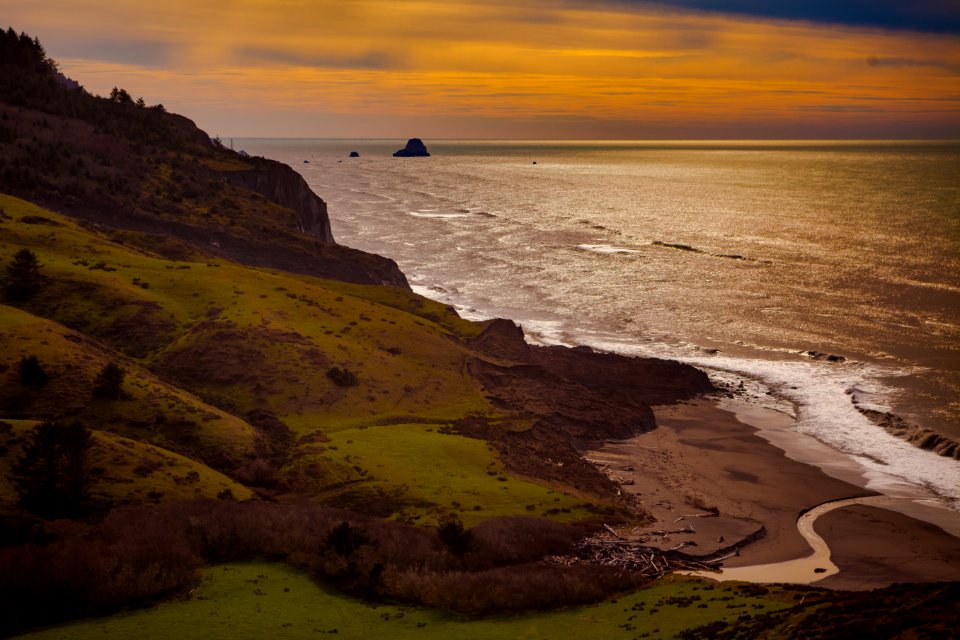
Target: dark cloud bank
x,y
922,15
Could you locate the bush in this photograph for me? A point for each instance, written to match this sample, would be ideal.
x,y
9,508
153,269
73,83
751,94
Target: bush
x,y
345,539
454,536
140,554
32,373
342,377
515,588
514,540
127,561
109,382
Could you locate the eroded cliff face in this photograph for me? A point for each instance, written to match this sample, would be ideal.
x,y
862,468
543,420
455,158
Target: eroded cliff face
x,y
282,185
321,256
159,182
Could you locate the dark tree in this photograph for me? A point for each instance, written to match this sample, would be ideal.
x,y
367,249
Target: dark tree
x,y
457,539
23,275
121,96
31,372
346,539
53,475
109,382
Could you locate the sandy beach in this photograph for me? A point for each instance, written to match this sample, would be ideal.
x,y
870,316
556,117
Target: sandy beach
x,y
701,459
876,547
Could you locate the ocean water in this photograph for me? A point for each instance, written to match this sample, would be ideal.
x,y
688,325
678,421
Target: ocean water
x,y
735,257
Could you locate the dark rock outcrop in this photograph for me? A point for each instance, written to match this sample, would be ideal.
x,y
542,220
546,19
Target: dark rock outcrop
x,y
914,434
502,339
569,399
624,379
628,380
819,355
414,149
282,185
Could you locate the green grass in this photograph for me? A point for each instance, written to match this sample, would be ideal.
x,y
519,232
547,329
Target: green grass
x,y
255,341
260,600
73,363
270,336
130,471
421,464
138,472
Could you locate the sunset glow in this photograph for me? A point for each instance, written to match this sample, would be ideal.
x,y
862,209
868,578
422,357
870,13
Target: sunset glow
x,y
572,69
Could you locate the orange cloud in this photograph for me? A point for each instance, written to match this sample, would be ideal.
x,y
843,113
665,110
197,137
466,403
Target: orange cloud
x,y
489,61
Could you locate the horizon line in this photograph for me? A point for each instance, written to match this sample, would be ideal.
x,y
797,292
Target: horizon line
x,y
447,139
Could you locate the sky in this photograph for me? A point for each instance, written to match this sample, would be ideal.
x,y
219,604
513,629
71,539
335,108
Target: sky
x,y
520,69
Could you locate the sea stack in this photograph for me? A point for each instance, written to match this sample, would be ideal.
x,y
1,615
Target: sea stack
x,y
414,149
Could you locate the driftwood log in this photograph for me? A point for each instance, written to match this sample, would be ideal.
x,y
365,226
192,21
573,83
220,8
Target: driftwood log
x,y
607,551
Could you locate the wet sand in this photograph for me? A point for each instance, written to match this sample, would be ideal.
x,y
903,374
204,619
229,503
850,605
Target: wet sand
x,y
877,547
701,457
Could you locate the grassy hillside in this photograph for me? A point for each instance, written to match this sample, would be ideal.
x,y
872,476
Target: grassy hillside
x,y
228,364
125,471
150,409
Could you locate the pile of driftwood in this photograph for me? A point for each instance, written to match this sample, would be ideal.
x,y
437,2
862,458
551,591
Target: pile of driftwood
x,y
608,551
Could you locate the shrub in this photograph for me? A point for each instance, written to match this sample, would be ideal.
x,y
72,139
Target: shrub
x,y
32,373
514,540
342,377
109,382
127,561
139,554
515,588
345,539
258,472
457,539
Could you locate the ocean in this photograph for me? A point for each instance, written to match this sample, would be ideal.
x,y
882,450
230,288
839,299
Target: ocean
x,y
738,257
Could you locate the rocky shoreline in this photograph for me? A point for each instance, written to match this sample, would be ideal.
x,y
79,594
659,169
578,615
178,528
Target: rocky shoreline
x,y
563,401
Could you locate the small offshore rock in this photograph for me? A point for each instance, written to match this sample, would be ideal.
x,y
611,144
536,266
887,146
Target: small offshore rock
x,y
414,149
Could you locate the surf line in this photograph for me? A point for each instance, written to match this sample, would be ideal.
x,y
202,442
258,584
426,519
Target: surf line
x,y
809,569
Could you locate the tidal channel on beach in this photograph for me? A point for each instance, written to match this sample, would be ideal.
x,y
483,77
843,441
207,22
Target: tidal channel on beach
x,y
737,257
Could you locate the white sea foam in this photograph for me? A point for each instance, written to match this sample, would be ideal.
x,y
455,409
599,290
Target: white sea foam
x,y
820,395
428,213
823,395
440,294
606,249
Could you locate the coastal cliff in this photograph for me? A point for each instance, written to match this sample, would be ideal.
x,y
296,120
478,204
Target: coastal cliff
x,y
156,181
284,186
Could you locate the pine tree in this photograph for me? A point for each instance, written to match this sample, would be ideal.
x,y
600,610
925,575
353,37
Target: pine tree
x,y
109,382
53,475
23,275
